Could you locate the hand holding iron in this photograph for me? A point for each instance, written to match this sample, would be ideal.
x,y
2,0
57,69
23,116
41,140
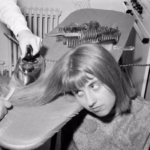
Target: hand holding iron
x,y
4,105
25,38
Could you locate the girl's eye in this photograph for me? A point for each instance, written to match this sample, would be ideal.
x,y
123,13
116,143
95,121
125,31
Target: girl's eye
x,y
95,86
78,93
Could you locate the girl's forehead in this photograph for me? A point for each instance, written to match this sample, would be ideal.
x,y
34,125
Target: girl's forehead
x,y
78,80
90,79
90,76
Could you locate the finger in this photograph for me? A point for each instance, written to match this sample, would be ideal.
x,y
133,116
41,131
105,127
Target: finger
x,y
2,114
35,47
5,111
39,42
7,104
36,44
23,50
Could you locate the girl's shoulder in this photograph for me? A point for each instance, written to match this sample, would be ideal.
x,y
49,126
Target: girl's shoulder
x,y
141,108
140,103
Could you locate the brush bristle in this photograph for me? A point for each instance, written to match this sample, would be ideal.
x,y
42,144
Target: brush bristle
x,y
91,32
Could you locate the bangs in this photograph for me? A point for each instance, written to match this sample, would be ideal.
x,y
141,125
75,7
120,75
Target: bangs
x,y
74,80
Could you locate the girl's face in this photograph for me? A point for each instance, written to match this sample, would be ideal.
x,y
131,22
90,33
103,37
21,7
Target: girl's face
x,y
96,97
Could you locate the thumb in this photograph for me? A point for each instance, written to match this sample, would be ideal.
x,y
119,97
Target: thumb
x,y
7,104
23,50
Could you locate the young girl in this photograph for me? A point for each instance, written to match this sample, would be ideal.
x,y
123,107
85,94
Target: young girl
x,y
114,118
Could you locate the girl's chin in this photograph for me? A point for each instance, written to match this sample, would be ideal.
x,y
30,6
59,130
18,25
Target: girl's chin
x,y
101,113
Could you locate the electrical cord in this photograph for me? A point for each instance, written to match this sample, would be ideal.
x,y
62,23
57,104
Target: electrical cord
x,y
139,65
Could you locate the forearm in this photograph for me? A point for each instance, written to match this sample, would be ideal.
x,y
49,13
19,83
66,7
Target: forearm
x,y
11,15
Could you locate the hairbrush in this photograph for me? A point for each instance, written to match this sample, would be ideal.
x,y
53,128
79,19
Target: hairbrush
x,y
73,34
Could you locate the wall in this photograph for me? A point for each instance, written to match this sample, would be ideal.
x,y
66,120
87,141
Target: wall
x,y
66,6
3,44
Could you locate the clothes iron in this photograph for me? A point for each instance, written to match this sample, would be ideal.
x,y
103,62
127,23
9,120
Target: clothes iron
x,y
29,69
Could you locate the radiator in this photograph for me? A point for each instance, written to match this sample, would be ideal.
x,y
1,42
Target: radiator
x,y
40,21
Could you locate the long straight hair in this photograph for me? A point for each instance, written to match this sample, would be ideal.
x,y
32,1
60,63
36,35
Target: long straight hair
x,y
72,69
69,73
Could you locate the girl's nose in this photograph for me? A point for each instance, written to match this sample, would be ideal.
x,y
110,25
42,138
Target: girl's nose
x,y
91,99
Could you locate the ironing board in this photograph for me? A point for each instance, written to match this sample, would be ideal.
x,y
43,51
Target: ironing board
x,y
28,128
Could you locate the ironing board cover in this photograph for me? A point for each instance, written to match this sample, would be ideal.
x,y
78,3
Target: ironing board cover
x,y
28,128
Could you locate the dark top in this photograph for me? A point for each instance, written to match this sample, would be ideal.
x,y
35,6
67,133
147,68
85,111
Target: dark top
x,y
124,132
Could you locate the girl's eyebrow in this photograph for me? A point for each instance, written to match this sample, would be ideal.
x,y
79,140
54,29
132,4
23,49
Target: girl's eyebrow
x,y
92,82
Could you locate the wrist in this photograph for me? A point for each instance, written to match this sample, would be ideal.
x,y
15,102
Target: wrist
x,y
23,32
